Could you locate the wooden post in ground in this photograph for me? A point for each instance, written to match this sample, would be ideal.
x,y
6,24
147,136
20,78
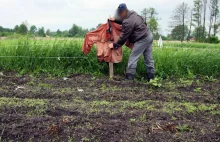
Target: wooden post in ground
x,y
111,70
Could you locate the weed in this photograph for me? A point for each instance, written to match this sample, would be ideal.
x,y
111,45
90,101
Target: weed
x,y
198,90
210,79
156,82
132,120
184,128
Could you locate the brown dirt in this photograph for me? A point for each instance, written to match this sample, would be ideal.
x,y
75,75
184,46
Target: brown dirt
x,y
54,109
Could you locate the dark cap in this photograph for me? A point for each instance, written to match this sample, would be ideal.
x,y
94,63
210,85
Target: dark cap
x,y
121,8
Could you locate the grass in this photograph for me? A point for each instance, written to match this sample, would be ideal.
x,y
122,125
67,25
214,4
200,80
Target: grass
x,y
36,106
190,60
189,45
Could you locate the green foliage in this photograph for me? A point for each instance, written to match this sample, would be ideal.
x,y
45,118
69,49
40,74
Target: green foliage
x,y
150,16
41,32
48,32
178,62
58,33
33,29
153,25
190,45
165,38
22,29
184,128
176,33
77,31
5,31
156,82
197,10
16,28
14,36
213,39
198,33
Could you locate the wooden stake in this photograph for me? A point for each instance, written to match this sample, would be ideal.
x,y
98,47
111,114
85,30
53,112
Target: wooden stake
x,y
111,70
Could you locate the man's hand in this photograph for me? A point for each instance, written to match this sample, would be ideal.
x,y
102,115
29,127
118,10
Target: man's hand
x,y
111,46
112,19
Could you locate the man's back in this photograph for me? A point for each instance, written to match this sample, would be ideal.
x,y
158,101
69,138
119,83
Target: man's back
x,y
139,26
135,26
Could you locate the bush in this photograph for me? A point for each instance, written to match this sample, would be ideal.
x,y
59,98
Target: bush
x,y
14,36
213,39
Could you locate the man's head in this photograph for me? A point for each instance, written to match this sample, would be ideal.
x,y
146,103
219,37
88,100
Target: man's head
x,y
122,11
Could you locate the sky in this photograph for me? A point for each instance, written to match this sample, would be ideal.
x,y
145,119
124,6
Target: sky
x,y
62,14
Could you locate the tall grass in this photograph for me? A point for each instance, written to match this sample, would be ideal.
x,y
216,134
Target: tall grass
x,y
189,45
178,62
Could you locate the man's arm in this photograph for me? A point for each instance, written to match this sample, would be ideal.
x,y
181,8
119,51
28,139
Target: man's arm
x,y
126,32
115,21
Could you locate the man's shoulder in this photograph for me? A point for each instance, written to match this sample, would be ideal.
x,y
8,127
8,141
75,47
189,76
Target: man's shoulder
x,y
130,18
133,13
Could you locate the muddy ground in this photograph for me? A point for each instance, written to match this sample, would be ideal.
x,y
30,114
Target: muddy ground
x,y
83,108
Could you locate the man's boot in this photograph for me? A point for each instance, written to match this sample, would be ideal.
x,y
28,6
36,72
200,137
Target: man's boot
x,y
130,76
150,76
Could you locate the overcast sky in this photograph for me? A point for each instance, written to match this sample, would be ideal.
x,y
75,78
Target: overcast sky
x,y
61,14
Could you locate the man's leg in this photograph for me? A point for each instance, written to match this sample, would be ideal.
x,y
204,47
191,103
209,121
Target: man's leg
x,y
137,51
148,60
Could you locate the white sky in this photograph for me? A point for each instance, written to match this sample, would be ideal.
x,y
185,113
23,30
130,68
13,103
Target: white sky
x,y
61,14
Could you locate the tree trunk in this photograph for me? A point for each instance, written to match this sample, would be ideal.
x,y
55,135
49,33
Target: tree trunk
x,y
183,30
215,25
190,26
210,24
204,18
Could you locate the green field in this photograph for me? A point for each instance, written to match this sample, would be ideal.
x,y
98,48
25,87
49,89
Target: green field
x,y
50,91
61,57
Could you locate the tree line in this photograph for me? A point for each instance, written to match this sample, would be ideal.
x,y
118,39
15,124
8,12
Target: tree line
x,y
22,29
199,22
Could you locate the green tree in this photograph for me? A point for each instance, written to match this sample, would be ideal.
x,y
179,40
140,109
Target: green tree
x,y
150,16
176,33
204,18
214,16
65,33
197,18
33,29
16,28
195,33
153,25
144,14
58,33
22,29
190,25
48,32
180,16
41,32
74,30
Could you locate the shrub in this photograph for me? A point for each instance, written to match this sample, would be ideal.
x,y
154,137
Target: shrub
x,y
213,39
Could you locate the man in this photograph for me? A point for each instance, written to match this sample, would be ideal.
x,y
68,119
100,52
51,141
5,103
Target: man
x,y
135,29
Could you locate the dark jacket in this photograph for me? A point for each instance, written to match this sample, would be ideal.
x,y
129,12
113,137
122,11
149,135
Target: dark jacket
x,y
134,28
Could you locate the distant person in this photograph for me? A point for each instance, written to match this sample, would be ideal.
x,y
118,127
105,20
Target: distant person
x,y
135,29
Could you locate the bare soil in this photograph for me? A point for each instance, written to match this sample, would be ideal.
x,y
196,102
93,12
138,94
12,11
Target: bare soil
x,y
83,108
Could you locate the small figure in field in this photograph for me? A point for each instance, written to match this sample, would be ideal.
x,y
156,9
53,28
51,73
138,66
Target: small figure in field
x,y
135,29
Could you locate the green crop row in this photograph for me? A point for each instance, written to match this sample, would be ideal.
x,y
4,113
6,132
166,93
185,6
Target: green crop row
x,y
25,56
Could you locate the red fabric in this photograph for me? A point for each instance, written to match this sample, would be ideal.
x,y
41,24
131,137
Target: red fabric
x,y
102,39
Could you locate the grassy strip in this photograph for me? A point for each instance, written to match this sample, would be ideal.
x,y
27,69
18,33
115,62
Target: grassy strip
x,y
180,62
39,106
189,45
